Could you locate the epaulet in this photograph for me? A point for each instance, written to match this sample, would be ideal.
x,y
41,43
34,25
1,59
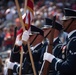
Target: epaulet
x,y
72,44
72,34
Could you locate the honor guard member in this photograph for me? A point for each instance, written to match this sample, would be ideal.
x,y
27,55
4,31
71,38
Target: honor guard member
x,y
60,38
15,54
68,66
59,43
36,52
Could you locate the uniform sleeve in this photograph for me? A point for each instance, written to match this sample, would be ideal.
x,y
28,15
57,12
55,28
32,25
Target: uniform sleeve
x,y
69,65
62,66
25,68
15,55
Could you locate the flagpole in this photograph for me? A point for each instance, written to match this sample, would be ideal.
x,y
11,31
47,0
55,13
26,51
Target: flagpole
x,y
30,54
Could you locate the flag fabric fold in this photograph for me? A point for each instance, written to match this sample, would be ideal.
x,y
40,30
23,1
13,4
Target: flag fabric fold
x,y
28,16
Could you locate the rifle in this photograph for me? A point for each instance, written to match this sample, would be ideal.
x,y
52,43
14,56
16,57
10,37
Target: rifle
x,y
46,63
9,71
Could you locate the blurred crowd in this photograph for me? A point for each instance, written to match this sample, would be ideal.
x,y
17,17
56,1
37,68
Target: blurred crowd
x,y
9,18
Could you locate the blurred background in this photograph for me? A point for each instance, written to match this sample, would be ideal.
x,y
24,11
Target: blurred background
x,y
9,18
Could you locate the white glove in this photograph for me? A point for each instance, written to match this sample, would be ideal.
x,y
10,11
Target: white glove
x,y
25,35
10,65
49,57
18,41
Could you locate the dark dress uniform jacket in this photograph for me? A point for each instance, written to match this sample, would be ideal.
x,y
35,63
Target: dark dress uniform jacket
x,y
67,67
